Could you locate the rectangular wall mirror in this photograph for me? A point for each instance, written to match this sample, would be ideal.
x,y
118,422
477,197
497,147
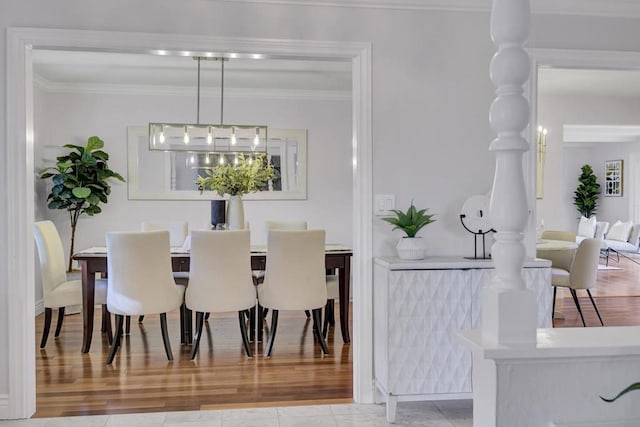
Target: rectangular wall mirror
x,y
160,175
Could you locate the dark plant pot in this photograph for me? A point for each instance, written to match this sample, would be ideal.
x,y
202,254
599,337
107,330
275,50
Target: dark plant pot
x,y
218,218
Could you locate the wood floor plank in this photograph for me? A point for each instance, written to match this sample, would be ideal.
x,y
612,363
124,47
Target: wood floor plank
x,y
141,379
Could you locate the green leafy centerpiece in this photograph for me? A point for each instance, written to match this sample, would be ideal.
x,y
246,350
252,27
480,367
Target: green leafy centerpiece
x,y
410,222
245,176
80,182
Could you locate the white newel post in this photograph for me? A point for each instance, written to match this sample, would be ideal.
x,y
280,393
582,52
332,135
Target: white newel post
x,y
509,309
523,376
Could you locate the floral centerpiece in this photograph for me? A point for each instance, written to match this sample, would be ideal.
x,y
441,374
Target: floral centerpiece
x,y
247,175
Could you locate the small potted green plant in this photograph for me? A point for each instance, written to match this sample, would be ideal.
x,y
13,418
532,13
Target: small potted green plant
x,y
410,222
247,175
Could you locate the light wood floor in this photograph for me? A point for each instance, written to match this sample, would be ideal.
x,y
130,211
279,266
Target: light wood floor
x,y
141,379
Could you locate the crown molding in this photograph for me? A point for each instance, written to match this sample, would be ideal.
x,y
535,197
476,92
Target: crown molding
x,y
129,89
612,8
591,135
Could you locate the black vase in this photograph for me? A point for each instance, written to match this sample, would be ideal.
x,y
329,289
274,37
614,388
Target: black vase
x,y
218,208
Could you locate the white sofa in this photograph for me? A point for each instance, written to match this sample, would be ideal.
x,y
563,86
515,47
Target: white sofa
x,y
621,239
620,247
598,231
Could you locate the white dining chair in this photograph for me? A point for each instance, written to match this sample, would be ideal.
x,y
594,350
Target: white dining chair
x,y
295,278
178,235
178,230
331,280
58,291
285,225
220,278
581,275
141,281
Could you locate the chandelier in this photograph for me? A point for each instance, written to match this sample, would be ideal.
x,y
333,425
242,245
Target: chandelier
x,y
218,138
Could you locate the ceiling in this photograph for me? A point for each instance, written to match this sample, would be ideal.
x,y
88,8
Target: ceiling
x,y
65,68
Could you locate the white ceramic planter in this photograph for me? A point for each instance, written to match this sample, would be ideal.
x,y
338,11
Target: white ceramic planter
x,y
410,248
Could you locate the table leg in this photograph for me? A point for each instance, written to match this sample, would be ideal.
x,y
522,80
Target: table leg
x,y
88,301
344,275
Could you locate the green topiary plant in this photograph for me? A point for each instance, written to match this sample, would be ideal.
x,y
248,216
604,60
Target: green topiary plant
x,y
586,195
80,182
410,222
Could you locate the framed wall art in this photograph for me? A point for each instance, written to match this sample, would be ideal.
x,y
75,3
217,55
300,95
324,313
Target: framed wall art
x,y
613,171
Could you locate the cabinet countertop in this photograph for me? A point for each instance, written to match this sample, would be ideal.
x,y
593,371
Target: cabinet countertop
x,y
449,263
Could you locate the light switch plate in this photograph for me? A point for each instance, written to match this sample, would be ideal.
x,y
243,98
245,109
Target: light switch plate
x,y
384,203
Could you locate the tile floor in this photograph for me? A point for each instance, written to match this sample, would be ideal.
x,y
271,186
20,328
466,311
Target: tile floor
x,y
449,413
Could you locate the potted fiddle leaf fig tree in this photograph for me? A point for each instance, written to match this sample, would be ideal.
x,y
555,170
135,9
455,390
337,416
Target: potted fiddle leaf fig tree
x,y
410,222
80,181
586,195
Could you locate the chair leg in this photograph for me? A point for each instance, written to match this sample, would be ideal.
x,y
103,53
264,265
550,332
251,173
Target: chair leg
x,y
183,339
103,323
47,325
140,318
206,316
575,300
252,324
595,307
272,332
332,313
317,321
106,321
307,313
188,325
328,314
243,332
60,320
199,330
127,326
553,305
165,335
260,320
116,339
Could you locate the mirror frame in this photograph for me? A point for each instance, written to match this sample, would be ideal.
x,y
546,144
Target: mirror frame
x,y
134,133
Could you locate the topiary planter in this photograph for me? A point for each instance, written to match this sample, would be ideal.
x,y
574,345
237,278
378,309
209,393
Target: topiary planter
x,y
410,248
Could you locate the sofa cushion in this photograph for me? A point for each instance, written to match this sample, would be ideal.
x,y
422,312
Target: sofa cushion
x,y
620,231
601,229
587,226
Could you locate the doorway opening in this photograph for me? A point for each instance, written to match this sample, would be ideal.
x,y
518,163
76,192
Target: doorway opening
x,y
20,151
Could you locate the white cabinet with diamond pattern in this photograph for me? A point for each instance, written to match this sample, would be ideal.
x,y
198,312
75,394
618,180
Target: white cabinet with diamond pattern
x,y
418,307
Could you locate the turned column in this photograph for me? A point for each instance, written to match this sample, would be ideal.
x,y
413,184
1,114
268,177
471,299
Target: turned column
x,y
509,313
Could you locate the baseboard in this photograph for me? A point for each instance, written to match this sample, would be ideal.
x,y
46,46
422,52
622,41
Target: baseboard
x,y
39,307
4,406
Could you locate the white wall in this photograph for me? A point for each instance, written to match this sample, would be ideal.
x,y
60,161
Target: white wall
x,y
563,163
77,116
431,92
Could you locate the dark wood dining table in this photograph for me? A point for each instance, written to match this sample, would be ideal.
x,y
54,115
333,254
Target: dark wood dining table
x,y
94,260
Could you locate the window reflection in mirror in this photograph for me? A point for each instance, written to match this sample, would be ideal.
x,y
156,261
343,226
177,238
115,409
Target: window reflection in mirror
x,y
157,175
